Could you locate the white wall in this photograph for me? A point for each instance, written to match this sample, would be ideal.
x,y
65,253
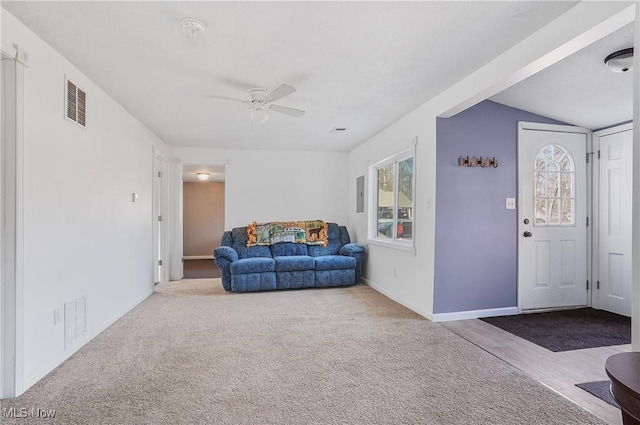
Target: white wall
x,y
83,236
279,185
412,285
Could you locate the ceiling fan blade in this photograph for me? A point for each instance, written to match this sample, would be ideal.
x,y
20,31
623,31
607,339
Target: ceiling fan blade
x,y
213,96
280,92
289,111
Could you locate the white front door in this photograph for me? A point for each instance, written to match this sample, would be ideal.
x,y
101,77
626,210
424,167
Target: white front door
x,y
552,214
614,266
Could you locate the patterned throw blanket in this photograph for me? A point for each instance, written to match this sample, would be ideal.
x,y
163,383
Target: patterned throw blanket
x,y
312,232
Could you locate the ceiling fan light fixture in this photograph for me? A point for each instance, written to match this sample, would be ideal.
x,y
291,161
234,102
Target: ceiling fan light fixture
x,y
620,61
259,114
203,176
193,28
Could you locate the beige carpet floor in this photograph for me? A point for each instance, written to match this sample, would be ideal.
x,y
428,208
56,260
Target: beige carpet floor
x,y
193,354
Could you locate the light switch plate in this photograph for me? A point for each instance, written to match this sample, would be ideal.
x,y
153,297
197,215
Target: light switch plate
x,y
510,203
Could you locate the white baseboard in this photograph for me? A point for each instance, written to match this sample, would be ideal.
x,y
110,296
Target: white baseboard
x,y
197,257
29,381
413,308
474,314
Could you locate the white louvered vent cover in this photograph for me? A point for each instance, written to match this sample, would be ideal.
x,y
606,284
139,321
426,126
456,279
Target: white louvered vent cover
x,y
75,320
75,104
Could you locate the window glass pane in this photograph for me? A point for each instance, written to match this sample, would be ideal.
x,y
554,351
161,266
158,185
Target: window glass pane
x,y
554,211
405,199
553,180
541,211
565,164
567,185
385,201
558,153
567,211
541,185
554,187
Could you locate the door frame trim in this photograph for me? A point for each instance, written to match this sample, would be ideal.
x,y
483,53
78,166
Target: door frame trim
x,y
524,126
595,264
163,233
11,245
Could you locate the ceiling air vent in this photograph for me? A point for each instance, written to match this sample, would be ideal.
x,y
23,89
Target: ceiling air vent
x,y
75,104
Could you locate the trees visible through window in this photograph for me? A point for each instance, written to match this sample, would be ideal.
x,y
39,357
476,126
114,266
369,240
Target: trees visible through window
x,y
554,180
394,198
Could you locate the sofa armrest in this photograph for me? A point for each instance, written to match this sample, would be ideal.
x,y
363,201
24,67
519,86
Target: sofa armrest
x,y
351,248
224,256
225,253
357,251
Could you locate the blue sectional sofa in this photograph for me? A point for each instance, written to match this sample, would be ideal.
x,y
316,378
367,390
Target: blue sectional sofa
x,y
288,265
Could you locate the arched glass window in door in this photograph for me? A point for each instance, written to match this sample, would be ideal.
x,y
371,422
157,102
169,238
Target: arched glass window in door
x,y
554,179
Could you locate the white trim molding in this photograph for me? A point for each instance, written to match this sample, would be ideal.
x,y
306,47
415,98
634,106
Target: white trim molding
x,y
198,257
411,307
635,250
526,125
11,213
475,314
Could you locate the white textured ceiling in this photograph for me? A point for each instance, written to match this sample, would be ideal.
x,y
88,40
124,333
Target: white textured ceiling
x,y
359,65
580,90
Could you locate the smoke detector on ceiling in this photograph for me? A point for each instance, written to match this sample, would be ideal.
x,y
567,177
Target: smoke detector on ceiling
x,y
193,28
620,61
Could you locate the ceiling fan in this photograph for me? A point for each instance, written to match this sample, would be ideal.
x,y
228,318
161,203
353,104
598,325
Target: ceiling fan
x,y
260,102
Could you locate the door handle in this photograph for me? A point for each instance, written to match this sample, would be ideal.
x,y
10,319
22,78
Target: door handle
x,y
527,234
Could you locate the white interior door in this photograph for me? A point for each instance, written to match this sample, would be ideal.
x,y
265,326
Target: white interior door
x,y
552,213
616,176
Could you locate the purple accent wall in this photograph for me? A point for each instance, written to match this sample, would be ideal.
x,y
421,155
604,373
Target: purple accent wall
x,y
476,237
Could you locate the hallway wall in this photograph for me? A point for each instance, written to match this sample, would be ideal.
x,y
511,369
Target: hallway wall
x,y
203,217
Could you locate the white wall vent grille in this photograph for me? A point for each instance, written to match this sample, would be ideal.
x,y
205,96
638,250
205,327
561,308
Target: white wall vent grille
x,y
75,320
75,103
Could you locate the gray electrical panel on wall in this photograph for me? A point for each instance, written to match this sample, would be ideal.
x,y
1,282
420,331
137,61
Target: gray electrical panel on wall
x,y
360,194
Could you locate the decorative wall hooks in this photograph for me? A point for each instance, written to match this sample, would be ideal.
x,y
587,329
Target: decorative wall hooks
x,y
472,161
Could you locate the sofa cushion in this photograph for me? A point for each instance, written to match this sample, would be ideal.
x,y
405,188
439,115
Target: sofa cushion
x,y
288,248
335,262
293,263
253,252
248,282
253,265
344,235
332,248
239,234
343,277
296,279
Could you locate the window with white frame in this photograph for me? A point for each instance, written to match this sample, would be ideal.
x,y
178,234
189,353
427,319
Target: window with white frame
x,y
392,199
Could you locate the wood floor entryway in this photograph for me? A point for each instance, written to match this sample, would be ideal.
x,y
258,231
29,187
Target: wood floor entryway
x,y
200,269
559,371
